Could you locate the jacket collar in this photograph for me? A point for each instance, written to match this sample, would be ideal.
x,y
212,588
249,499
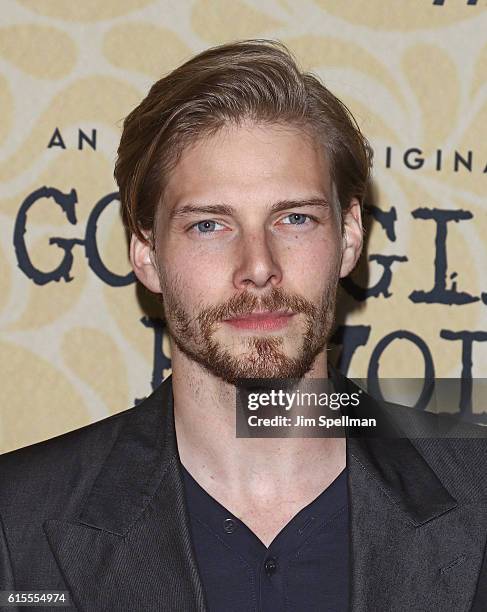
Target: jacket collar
x,y
140,458
147,446
392,460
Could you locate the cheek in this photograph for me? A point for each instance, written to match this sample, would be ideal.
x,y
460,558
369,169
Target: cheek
x,y
195,280
315,262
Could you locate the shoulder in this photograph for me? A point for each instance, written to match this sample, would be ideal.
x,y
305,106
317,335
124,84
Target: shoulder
x,y
52,478
55,473
418,423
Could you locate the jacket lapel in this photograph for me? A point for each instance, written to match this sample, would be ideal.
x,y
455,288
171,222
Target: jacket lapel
x,y
413,547
130,547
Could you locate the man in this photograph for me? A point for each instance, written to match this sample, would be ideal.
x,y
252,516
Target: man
x,y
242,182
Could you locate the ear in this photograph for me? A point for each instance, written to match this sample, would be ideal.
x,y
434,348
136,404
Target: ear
x,y
143,262
352,238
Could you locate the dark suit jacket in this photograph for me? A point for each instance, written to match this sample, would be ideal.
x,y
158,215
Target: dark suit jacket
x,y
100,512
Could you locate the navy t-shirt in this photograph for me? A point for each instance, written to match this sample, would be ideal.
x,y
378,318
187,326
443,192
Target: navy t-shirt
x,y
305,568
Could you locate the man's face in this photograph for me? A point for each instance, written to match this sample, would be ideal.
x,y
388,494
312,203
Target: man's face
x,y
243,255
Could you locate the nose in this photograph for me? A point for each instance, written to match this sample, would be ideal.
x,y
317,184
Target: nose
x,y
257,263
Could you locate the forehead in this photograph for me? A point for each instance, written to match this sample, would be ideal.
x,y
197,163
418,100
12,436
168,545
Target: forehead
x,y
250,163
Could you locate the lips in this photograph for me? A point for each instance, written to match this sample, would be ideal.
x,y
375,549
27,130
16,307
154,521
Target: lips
x,y
261,321
261,315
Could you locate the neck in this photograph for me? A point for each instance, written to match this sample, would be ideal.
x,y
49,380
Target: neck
x,y
204,411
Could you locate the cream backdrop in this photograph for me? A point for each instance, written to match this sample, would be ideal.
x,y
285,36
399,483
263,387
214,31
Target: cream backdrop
x,y
412,71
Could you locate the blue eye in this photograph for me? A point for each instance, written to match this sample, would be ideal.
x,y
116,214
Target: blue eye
x,y
296,218
205,227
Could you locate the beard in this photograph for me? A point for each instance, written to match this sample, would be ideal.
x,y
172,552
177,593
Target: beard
x,y
263,357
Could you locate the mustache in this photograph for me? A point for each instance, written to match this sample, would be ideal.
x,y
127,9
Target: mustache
x,y
245,303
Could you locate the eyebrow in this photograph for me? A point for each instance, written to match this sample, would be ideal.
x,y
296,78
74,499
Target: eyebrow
x,y
225,209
